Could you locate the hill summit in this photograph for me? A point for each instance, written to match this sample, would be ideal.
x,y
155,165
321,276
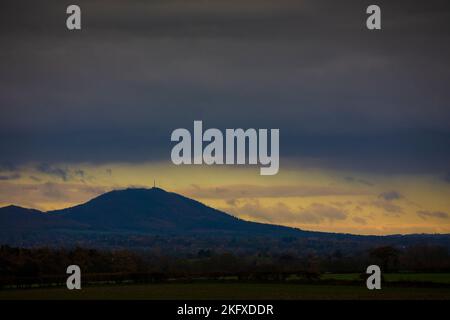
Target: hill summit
x,y
139,210
145,218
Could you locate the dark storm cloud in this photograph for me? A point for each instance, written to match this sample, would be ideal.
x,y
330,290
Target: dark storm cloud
x,y
390,195
12,176
80,173
8,172
359,220
7,166
351,179
63,173
388,207
237,191
433,214
447,177
53,171
342,96
314,213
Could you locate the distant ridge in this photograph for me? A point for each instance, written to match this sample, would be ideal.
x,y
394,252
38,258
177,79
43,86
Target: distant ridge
x,y
152,212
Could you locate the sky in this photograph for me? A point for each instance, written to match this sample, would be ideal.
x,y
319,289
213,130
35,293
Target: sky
x,y
364,116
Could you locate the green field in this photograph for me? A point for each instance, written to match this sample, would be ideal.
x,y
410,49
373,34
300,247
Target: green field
x,y
222,290
443,278
330,286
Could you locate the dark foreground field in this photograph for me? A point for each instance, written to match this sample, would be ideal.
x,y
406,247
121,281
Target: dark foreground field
x,y
221,290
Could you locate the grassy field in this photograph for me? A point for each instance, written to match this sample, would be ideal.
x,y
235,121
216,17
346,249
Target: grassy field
x,y
443,278
228,291
346,286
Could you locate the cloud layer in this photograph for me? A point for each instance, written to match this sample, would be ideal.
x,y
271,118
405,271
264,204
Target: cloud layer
x,y
342,97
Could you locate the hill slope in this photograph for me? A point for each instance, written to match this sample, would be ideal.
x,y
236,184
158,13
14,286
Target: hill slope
x,y
138,218
143,211
157,211
14,220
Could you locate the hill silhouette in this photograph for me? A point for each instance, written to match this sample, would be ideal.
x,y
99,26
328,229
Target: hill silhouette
x,y
156,212
15,220
152,211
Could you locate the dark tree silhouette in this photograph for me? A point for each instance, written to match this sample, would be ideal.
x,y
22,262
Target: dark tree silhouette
x,y
386,256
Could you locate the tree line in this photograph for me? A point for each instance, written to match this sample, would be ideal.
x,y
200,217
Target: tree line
x,y
26,266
